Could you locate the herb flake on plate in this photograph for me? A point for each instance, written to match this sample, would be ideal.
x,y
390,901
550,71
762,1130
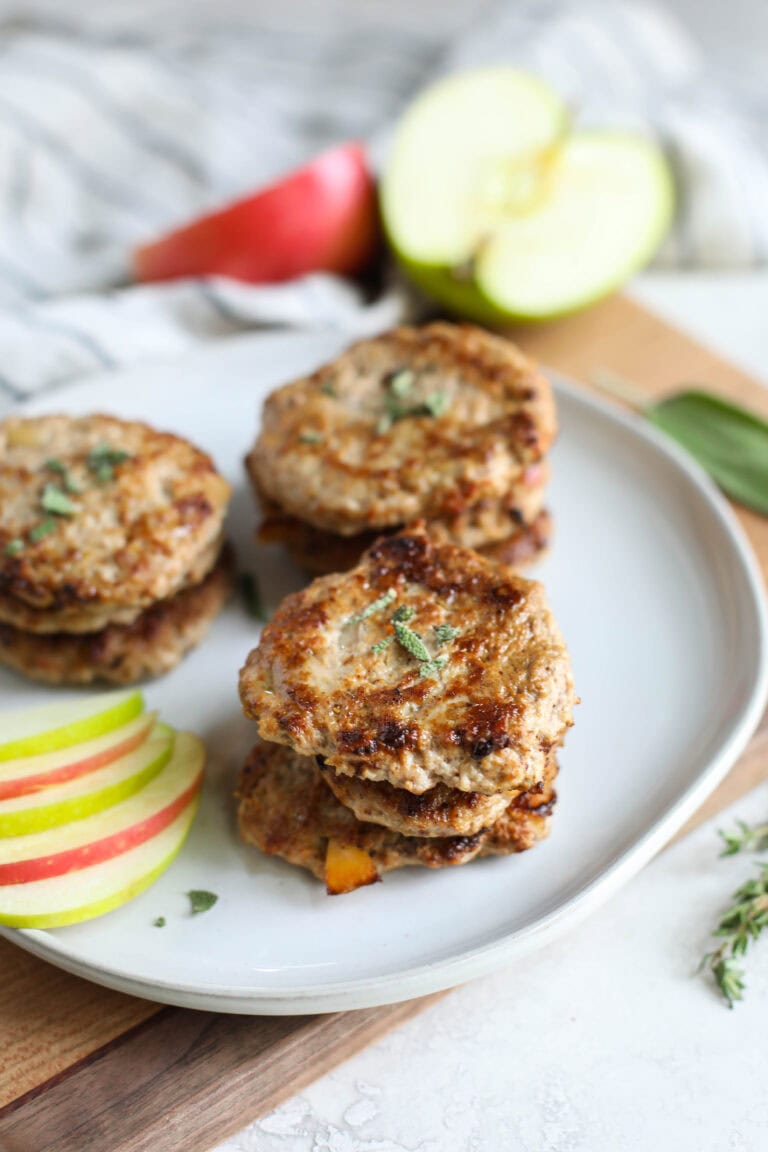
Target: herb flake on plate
x,y
201,901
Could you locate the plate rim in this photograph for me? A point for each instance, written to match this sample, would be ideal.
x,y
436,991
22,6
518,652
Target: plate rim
x,y
439,975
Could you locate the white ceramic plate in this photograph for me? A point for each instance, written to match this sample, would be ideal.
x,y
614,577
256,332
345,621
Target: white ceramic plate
x,y
661,605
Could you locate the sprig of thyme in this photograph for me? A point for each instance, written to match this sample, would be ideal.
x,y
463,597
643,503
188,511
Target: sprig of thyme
x,y
747,917
749,838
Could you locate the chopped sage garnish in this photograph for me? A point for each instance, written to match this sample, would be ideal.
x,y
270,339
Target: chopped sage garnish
x,y
403,613
102,461
411,641
398,403
376,606
327,388
14,547
200,900
444,633
400,383
310,438
381,645
159,922
54,499
44,528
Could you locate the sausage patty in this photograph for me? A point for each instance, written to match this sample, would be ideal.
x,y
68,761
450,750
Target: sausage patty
x,y
122,653
286,809
425,664
416,423
99,518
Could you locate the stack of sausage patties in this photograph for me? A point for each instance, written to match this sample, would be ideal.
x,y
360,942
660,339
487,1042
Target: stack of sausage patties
x,y
445,423
112,563
410,711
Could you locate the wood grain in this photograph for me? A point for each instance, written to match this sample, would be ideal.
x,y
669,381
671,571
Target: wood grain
x,y
84,1069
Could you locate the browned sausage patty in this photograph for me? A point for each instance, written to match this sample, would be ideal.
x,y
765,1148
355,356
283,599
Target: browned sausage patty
x,y
425,664
419,422
122,653
99,518
286,809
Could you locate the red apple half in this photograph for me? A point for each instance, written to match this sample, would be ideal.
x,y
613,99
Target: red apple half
x,y
109,833
321,218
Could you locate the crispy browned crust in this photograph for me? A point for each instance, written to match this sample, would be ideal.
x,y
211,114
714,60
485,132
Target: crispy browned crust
x,y
323,457
321,553
286,810
123,653
485,722
440,811
134,539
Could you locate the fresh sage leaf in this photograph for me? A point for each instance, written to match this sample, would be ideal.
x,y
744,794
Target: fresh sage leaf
x,y
729,441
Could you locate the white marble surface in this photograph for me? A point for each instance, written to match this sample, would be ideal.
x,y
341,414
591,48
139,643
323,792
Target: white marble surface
x,y
607,1040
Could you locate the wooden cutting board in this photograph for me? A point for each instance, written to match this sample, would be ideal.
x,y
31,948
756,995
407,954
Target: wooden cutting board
x,y
85,1069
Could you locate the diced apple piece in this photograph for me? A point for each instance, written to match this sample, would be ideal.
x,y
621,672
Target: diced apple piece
x,y
113,831
38,730
93,891
90,793
31,773
322,217
347,867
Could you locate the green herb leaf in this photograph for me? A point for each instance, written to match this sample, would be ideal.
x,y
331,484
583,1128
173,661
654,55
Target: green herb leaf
x,y
54,499
411,641
730,442
436,404
444,633
102,461
44,528
249,587
327,388
400,383
432,667
159,922
310,438
376,606
402,614
14,547
381,645
55,466
201,901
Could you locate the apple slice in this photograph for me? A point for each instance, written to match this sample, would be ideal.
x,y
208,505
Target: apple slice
x,y
495,210
322,217
111,832
38,730
92,891
31,773
89,793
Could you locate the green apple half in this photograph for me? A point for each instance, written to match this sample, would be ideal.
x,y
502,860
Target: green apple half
x,y
500,213
38,730
89,793
31,773
113,831
92,891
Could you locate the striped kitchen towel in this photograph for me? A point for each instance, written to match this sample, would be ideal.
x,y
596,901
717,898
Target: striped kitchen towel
x,y
121,119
